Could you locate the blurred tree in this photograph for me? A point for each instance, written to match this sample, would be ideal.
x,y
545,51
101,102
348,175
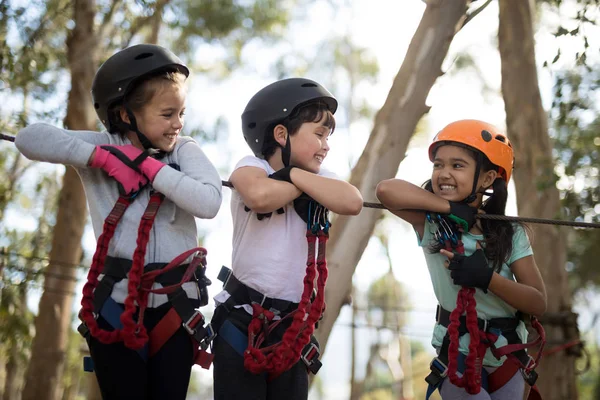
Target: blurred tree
x,y
537,195
92,31
576,122
393,127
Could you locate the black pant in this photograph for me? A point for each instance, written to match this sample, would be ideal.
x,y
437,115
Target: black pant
x,y
123,374
233,381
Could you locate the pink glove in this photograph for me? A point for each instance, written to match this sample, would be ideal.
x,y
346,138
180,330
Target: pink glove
x,y
149,166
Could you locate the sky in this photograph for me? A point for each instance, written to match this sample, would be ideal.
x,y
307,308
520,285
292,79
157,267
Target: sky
x,y
385,28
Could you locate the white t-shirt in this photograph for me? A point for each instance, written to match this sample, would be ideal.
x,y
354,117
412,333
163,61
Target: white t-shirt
x,y
269,255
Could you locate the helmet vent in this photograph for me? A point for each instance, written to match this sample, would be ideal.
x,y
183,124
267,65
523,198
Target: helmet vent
x,y
501,138
143,56
252,125
486,135
309,85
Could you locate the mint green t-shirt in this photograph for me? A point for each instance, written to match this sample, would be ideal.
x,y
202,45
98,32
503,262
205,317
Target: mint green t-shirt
x,y
488,305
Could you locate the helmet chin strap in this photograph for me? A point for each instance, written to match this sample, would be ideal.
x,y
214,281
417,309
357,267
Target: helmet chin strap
x,y
473,196
286,152
147,144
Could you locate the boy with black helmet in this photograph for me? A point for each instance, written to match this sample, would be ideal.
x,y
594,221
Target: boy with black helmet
x,y
143,288
265,314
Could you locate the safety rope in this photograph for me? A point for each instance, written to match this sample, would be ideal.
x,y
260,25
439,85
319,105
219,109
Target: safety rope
x,y
278,358
543,221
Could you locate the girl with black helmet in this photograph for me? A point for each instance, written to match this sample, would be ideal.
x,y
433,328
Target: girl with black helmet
x,y
483,271
144,184
265,316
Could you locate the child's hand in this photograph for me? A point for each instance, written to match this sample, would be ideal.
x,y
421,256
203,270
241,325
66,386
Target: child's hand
x,y
120,167
282,175
471,271
463,214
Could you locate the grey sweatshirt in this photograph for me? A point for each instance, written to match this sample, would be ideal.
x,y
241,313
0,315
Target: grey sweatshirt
x,y
193,192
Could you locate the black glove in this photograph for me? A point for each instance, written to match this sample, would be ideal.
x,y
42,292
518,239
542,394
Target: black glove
x,y
319,213
463,214
282,175
471,271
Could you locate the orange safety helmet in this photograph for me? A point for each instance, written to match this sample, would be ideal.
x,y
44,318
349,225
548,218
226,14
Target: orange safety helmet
x,y
481,136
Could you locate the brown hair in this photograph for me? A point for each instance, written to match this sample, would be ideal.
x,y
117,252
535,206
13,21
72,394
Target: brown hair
x,y
142,93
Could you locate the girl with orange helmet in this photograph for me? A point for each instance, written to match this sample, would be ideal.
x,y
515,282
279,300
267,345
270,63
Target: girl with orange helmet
x,y
479,267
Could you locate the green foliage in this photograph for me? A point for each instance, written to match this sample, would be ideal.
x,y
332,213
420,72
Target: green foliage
x,y
576,125
229,24
585,14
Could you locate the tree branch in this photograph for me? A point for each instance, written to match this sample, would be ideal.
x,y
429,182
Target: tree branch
x,y
473,14
141,22
106,21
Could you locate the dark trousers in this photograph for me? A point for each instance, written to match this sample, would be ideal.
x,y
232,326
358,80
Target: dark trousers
x,y
233,381
123,374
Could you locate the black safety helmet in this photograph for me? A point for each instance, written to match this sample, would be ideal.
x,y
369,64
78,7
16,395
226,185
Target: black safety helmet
x,y
277,101
123,70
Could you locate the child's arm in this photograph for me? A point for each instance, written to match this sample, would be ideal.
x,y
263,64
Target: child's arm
x,y
401,196
528,294
43,142
336,195
259,192
197,188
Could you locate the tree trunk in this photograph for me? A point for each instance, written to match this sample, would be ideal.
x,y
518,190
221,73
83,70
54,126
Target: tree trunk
x,y
393,128
537,195
52,325
14,375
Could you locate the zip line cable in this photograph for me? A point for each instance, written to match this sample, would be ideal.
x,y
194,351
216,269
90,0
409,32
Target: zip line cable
x,y
543,221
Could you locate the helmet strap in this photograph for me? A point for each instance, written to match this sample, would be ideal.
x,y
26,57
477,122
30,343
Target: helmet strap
x,y
478,164
286,152
147,144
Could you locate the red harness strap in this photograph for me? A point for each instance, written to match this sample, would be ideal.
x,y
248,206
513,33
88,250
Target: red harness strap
x,y
134,334
480,341
87,301
280,357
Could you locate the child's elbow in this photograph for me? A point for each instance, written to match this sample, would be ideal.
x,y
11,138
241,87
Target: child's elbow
x,y
383,190
354,207
258,201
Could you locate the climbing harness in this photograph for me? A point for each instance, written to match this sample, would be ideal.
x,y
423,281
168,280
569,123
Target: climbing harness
x,y
96,293
296,343
483,334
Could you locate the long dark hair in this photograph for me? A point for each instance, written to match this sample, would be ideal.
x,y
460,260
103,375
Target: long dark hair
x,y
498,235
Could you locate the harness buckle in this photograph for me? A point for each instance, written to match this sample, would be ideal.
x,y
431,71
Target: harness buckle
x,y
528,371
438,367
211,334
310,357
83,330
485,325
190,324
224,275
531,364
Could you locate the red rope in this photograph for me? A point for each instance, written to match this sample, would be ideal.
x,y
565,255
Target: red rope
x,y
87,301
133,334
559,348
480,341
278,358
